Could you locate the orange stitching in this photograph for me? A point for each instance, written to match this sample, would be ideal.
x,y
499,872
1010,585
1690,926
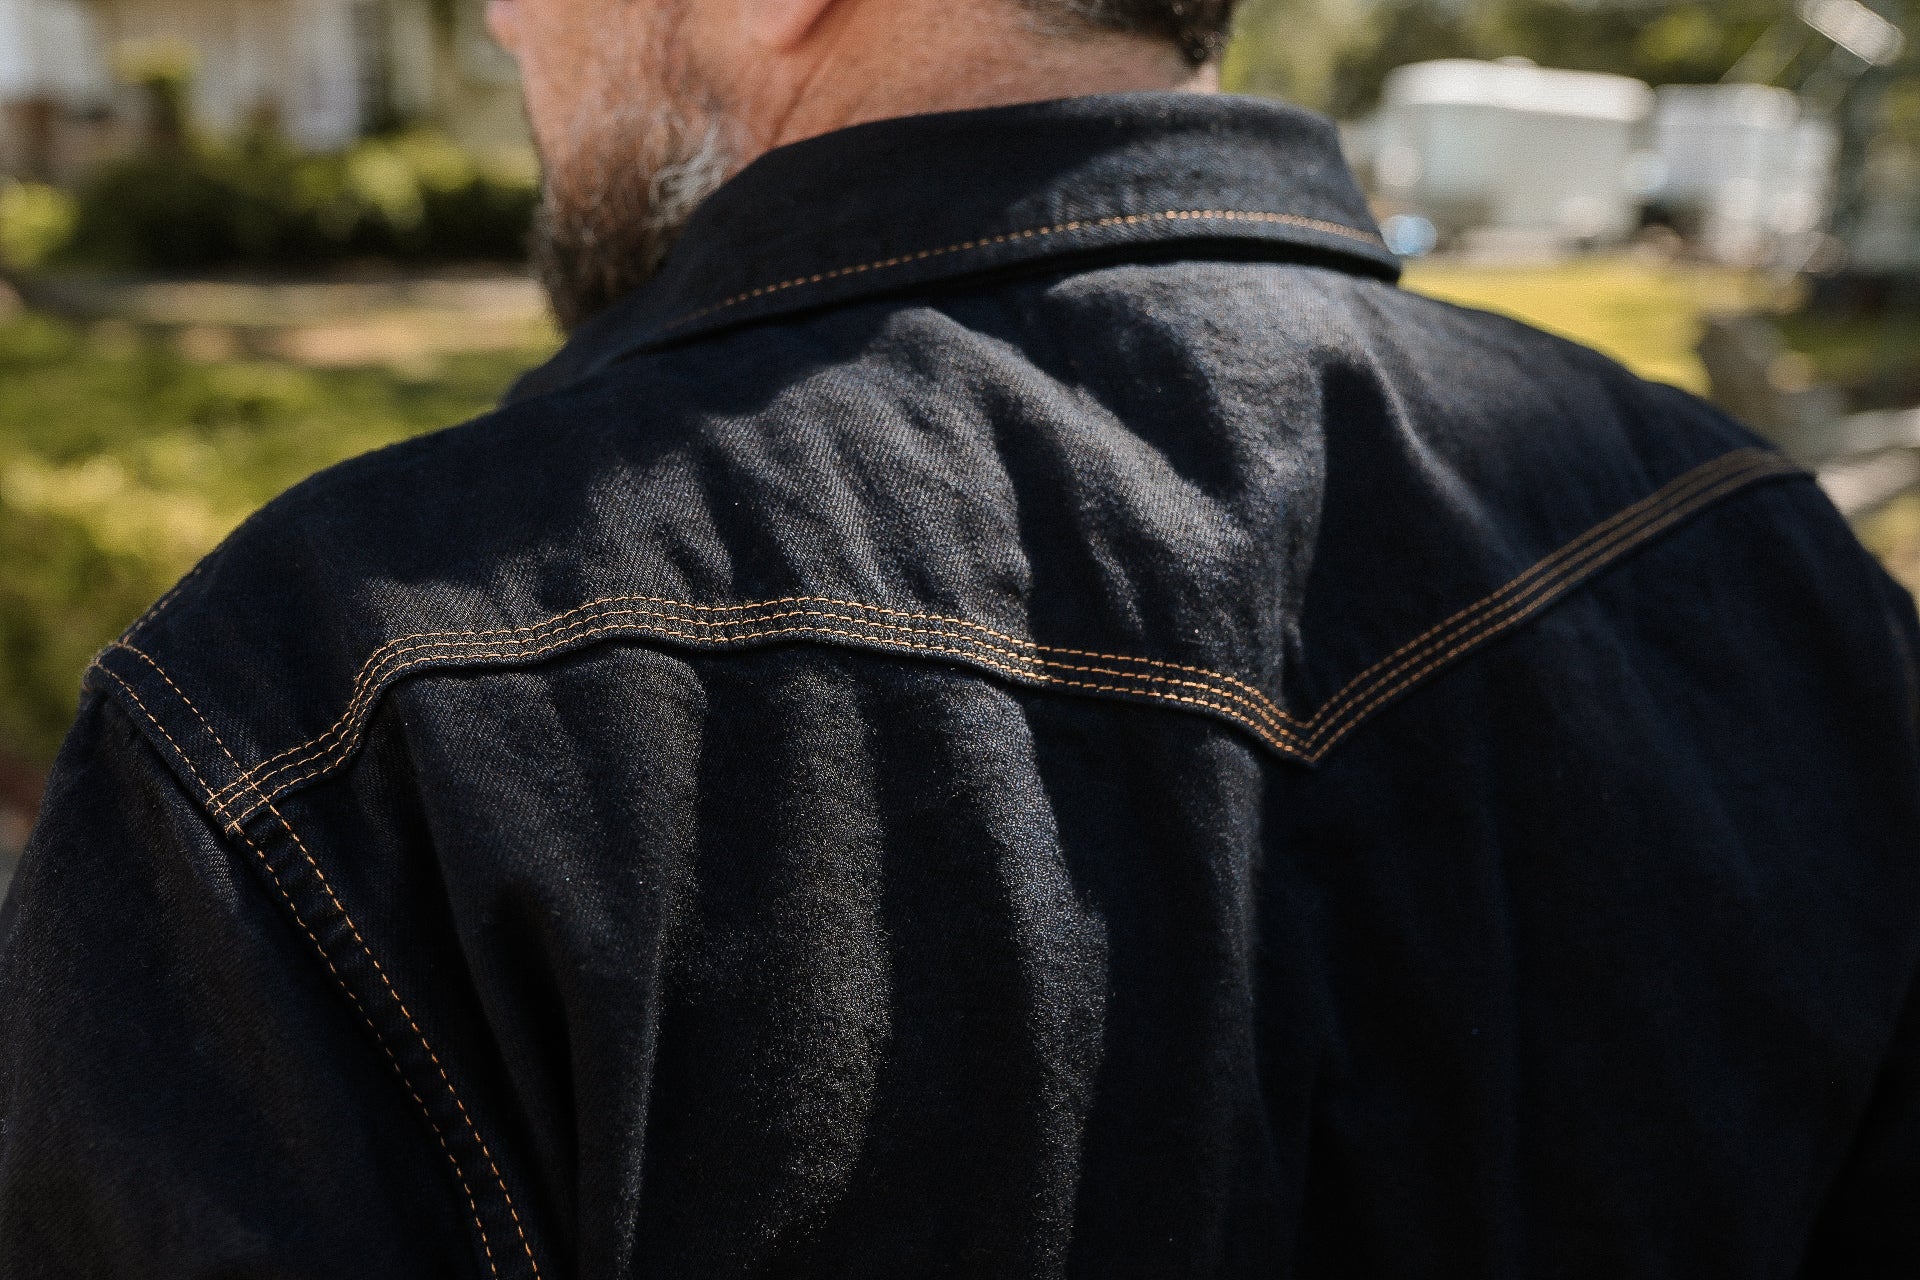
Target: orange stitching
x,y
151,719
1519,599
366,680
459,1174
1607,531
1546,575
1269,721
368,669
1484,629
1603,531
1600,531
1037,676
1035,233
568,635
1508,612
384,673
371,676
1560,566
472,1130
159,606
181,694
1040,676
1570,572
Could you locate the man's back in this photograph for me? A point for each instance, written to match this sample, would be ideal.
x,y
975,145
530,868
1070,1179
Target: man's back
x,y
1022,711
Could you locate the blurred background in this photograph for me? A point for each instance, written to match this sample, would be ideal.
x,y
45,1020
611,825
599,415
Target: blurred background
x,y
243,239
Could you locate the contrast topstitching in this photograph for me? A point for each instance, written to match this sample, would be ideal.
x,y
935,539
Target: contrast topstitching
x,y
1035,233
832,620
312,930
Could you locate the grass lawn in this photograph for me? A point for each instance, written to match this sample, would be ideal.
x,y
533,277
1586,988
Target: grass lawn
x,y
122,461
1644,312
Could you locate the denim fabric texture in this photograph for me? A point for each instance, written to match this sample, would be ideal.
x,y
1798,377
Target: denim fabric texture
x,y
1021,711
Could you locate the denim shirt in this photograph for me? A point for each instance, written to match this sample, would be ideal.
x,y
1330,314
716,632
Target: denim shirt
x,y
1022,710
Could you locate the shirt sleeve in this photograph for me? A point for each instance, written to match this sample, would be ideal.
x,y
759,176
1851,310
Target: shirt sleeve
x,y
182,1092
1869,1223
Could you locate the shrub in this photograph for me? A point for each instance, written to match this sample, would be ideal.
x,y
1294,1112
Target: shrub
x,y
122,462
35,222
256,202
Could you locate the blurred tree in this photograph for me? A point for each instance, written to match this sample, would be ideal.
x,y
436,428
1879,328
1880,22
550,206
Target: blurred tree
x,y
1291,48
1333,55
162,69
1398,32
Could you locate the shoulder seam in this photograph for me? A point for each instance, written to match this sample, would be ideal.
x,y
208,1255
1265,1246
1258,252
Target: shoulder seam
x,y
343,920
829,620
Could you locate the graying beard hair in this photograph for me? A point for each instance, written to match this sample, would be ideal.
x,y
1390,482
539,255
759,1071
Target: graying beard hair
x,y
597,241
600,234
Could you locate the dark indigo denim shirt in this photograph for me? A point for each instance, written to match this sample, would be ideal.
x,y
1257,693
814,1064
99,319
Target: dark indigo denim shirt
x,y
1021,711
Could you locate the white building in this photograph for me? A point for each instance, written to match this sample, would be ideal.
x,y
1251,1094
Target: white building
x,y
52,70
1513,152
1742,169
326,70
49,47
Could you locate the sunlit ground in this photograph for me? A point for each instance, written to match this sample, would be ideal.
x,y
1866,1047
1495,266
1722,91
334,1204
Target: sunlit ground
x,y
1645,312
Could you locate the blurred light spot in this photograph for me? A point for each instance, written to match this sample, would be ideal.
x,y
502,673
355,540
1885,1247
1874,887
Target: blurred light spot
x,y
1409,235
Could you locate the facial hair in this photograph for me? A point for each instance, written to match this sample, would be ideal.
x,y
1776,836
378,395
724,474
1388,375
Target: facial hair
x,y
633,173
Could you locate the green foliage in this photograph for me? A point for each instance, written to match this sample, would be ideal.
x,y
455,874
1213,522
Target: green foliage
x,y
1659,43
1396,33
257,202
121,463
162,68
1873,358
1333,55
1289,48
35,222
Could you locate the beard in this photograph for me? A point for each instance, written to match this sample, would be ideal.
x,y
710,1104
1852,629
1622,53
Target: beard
x,y
629,176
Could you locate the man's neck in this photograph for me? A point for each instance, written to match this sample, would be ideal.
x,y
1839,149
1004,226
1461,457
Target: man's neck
x,y
856,68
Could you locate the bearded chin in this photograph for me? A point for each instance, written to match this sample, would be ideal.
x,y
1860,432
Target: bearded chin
x,y
606,222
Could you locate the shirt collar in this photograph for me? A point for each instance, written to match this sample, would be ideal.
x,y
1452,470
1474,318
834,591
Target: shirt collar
x,y
919,199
